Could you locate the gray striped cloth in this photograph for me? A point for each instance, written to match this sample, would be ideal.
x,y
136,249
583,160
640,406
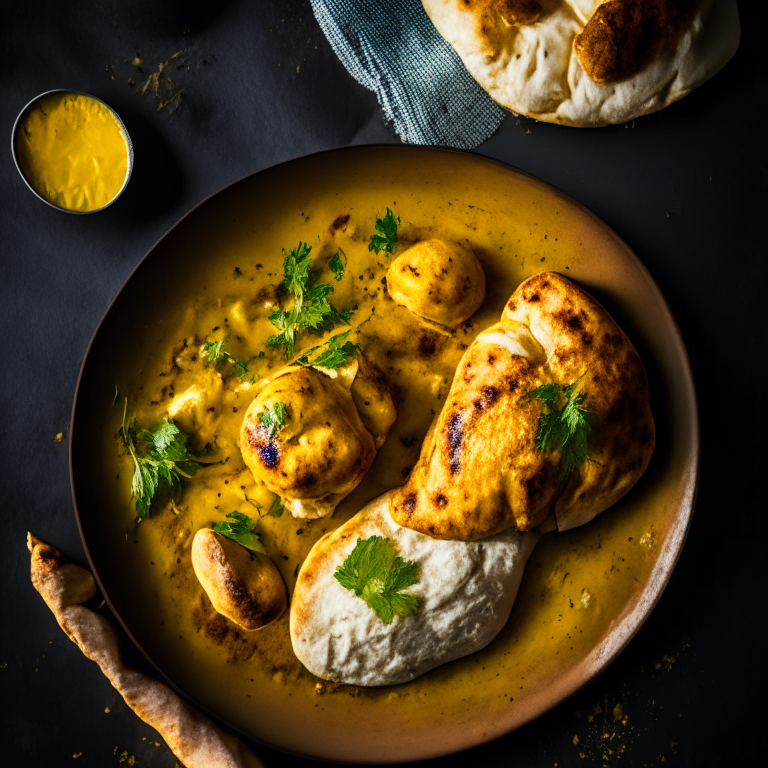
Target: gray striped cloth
x,y
392,48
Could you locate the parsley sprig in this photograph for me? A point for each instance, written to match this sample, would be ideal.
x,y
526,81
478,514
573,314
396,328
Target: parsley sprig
x,y
377,574
338,264
565,429
333,354
273,418
165,460
213,353
242,529
385,238
312,310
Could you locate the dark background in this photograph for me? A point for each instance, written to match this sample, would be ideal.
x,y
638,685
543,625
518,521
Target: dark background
x,y
260,84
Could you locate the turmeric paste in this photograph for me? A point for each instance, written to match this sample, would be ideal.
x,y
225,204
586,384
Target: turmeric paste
x,y
72,151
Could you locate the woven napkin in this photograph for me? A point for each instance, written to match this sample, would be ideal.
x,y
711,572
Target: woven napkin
x,y
425,91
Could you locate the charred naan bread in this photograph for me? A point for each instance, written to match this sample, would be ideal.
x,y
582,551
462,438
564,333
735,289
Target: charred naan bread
x,y
588,62
244,586
437,280
335,422
480,471
467,588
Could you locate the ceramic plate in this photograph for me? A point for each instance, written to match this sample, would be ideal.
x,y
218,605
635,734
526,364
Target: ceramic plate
x,y
584,593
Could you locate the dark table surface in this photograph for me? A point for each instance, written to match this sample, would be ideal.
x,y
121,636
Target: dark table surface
x,y
684,187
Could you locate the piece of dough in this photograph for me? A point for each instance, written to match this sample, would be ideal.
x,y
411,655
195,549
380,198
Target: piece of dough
x,y
336,421
468,590
244,586
530,55
480,472
437,280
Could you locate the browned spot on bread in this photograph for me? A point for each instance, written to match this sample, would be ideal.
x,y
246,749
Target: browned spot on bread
x,y
409,504
488,396
441,500
624,36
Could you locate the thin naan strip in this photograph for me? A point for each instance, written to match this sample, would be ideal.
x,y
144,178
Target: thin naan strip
x,y
191,736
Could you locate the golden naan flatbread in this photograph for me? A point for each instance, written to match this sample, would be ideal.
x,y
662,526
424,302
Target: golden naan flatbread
x,y
588,62
480,471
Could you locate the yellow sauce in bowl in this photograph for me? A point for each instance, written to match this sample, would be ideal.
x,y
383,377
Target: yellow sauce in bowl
x,y
72,151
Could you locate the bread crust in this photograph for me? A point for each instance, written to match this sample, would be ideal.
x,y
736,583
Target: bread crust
x,y
564,67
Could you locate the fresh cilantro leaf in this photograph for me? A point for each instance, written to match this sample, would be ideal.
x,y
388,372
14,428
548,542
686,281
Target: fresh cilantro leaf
x,y
242,529
274,418
338,264
213,353
311,311
386,237
277,507
166,459
335,352
564,429
377,574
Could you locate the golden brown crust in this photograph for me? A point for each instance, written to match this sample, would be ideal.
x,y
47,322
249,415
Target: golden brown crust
x,y
480,473
324,447
438,280
244,586
633,57
623,36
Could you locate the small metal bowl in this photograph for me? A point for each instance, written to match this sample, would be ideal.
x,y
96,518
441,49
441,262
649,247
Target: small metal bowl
x,y
128,141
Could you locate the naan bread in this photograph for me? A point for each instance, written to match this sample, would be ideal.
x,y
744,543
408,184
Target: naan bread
x,y
468,590
480,472
588,62
193,738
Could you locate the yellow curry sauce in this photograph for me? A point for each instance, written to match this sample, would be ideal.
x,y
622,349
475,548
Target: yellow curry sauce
x,y
230,264
72,151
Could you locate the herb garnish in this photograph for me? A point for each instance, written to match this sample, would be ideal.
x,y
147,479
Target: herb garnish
x,y
213,353
241,529
311,311
564,429
338,264
335,352
386,239
274,418
377,574
166,459
277,507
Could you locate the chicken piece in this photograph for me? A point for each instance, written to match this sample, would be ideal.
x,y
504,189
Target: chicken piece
x,y
467,591
480,471
437,280
244,586
326,445
373,399
197,409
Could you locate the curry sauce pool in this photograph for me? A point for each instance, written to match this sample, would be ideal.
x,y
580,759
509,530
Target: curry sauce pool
x,y
72,151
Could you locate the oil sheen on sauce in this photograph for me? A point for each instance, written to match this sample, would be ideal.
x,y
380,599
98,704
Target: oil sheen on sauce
x,y
229,258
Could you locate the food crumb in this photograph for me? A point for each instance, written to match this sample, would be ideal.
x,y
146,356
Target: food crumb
x,y
575,740
59,437
106,710
76,755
